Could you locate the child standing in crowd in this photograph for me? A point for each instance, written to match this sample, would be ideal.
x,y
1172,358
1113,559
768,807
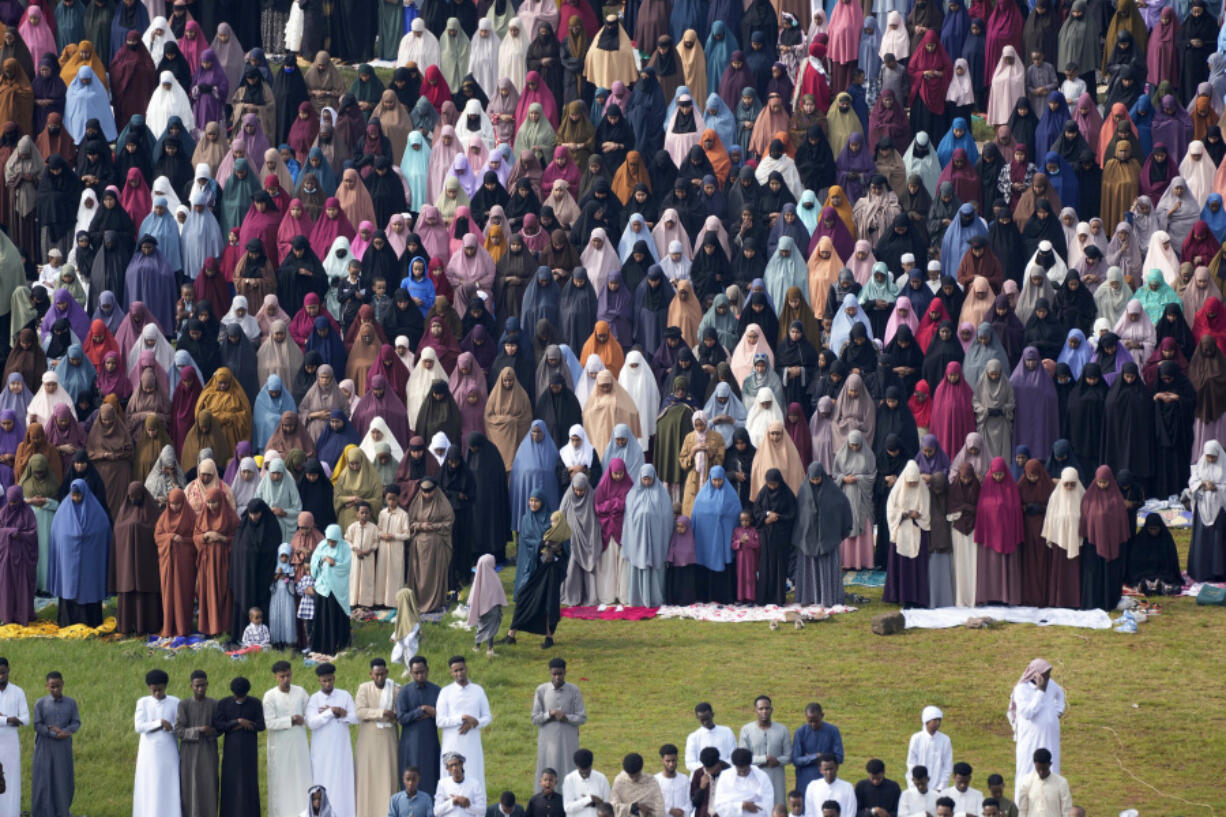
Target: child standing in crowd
x,y
745,545
281,608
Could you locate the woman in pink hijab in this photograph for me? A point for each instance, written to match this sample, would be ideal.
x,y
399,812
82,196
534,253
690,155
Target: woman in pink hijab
x,y
846,29
36,33
433,232
535,91
562,167
442,154
998,532
294,223
332,223
472,264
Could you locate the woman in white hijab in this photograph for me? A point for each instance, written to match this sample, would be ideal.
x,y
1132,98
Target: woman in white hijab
x,y
1198,168
50,395
675,264
156,36
577,452
1162,256
240,313
764,411
513,54
637,378
1008,86
464,130
380,433
483,56
453,48
86,211
419,46
1179,220
926,166
168,99
427,370
1062,532
1206,484
895,40
592,367
599,257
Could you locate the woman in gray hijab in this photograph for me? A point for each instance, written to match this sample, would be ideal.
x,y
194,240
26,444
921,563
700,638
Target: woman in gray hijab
x,y
823,520
855,471
994,403
985,348
586,544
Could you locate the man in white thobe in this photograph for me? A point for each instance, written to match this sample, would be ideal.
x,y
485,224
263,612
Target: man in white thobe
x,y
966,800
14,714
707,734
675,788
289,755
330,713
156,789
829,787
461,713
1035,709
584,788
771,746
932,749
917,799
1042,792
744,791
458,795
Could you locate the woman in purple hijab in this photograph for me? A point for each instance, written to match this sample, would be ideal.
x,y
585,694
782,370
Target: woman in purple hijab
x,y
108,311
931,458
855,166
210,89
151,281
49,87
735,80
63,305
616,306
1172,125
12,432
830,223
18,567
481,344
1036,417
16,395
63,430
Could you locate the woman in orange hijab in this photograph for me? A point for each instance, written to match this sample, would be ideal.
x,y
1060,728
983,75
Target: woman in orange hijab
x,y
602,344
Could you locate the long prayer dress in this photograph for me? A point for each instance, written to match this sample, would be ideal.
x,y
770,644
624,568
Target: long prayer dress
x,y
289,755
557,741
240,771
419,744
53,779
156,792
331,750
197,756
775,542
377,763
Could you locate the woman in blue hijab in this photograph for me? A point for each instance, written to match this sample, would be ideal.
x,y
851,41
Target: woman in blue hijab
x,y
542,300
958,136
1051,124
646,533
625,446
1062,178
720,44
534,469
326,341
954,29
715,513
163,227
1142,115
86,100
272,400
419,286
338,434
1214,214
719,117
533,523
77,558
1076,352
75,372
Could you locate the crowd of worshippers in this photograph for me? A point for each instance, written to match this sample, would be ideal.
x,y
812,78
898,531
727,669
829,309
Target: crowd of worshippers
x,y
571,290
419,753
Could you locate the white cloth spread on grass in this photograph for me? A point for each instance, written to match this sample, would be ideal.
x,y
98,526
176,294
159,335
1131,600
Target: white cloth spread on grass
x,y
1043,616
769,612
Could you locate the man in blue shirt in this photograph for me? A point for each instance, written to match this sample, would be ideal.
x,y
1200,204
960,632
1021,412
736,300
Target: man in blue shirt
x,y
810,742
412,802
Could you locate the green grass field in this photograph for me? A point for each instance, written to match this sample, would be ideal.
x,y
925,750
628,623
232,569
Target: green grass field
x,y
1146,726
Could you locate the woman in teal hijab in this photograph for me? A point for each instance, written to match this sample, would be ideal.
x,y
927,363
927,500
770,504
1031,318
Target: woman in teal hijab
x,y
330,571
415,164
280,493
237,194
532,527
1155,295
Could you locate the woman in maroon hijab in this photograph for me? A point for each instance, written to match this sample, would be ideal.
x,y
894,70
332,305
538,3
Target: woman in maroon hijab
x,y
1104,529
953,416
931,70
1034,564
998,532
1004,28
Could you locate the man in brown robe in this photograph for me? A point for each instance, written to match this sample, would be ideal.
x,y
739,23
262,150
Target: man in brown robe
x,y
197,750
377,751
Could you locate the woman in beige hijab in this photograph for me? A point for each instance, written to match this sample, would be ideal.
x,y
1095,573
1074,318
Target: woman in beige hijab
x,y
508,415
777,451
701,450
430,521
395,121
355,482
685,312
278,355
853,411
693,65
607,406
979,302
824,268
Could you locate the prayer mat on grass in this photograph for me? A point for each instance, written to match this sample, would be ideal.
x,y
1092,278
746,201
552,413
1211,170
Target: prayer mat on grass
x,y
44,628
611,612
944,617
864,578
734,614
